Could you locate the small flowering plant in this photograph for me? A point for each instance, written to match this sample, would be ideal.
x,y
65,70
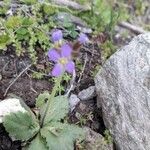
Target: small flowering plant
x,y
61,54
46,129
63,60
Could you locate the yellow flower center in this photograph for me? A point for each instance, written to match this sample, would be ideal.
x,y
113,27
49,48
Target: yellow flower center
x,y
63,61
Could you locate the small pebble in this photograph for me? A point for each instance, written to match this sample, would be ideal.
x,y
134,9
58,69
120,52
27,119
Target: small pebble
x,y
82,107
87,94
73,101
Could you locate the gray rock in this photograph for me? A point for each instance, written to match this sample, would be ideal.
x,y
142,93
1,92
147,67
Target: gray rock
x,y
73,101
71,4
10,105
123,88
95,141
63,17
87,94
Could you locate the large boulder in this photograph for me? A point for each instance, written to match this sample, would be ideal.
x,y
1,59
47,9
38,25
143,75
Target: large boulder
x,y
95,141
123,89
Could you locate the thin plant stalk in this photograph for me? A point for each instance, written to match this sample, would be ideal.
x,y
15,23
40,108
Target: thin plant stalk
x,y
58,81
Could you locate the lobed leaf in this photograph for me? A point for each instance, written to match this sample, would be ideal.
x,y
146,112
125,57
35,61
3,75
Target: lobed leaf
x,y
42,99
38,143
61,136
57,110
21,126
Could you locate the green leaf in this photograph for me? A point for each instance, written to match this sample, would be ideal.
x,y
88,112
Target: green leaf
x,y
42,99
27,21
4,40
3,10
29,2
57,110
22,31
37,75
61,136
103,9
23,34
27,108
49,9
73,34
14,22
21,126
38,143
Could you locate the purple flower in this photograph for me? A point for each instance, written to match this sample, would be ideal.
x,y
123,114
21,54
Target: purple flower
x,y
83,38
57,35
63,60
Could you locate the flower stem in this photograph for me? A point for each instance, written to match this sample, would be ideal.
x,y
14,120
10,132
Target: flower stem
x,y
50,98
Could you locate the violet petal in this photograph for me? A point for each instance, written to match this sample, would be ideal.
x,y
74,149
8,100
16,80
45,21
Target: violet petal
x,y
57,35
53,55
66,50
70,67
57,70
83,38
